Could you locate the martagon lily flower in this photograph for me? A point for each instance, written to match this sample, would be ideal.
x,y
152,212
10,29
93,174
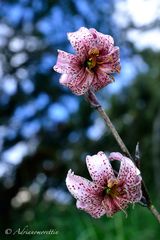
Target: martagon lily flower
x,y
109,192
91,67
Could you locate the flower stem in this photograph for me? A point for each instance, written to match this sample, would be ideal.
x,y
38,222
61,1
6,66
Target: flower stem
x,y
92,99
155,212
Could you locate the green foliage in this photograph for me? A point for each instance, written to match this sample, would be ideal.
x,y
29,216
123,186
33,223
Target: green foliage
x,y
74,224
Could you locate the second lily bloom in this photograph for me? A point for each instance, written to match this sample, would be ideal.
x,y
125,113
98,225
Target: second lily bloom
x,y
108,192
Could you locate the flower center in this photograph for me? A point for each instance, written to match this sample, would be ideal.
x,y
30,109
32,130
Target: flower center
x,y
112,188
91,62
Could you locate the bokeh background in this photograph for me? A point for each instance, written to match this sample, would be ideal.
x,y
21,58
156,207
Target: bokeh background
x,y
45,130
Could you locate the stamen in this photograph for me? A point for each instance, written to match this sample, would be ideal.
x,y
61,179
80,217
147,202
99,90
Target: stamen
x,y
92,61
122,209
112,182
94,51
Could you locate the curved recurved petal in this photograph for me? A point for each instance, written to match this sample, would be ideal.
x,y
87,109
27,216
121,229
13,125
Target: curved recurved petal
x,y
81,41
81,82
95,208
113,58
134,193
128,172
99,168
110,63
101,79
64,79
113,205
67,63
78,83
101,40
110,206
115,54
81,188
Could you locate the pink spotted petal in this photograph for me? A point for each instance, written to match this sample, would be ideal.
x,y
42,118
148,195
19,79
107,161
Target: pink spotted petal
x,y
72,80
99,168
112,205
81,41
128,171
81,188
115,54
82,82
102,41
101,79
115,156
64,79
109,206
134,193
120,203
67,63
95,209
78,83
111,62
110,68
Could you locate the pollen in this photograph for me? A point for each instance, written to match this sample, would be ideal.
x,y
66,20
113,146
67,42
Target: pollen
x,y
94,51
112,188
92,61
